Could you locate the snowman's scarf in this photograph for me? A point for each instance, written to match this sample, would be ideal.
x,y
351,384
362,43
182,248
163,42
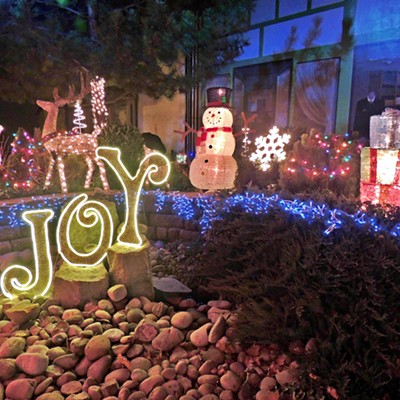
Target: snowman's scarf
x,y
202,133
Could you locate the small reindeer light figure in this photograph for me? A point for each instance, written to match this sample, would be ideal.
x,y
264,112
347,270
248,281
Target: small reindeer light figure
x,y
63,144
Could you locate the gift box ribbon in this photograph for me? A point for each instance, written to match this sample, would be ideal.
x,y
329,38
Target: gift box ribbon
x,y
373,166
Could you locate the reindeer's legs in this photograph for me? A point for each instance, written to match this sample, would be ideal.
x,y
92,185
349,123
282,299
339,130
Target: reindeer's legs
x,y
50,170
89,174
61,173
103,175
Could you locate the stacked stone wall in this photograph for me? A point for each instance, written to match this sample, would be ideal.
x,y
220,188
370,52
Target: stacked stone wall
x,y
163,225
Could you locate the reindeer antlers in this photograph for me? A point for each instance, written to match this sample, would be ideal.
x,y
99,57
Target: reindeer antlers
x,y
85,89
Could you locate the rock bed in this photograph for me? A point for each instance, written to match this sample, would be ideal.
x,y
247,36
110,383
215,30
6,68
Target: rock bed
x,y
125,349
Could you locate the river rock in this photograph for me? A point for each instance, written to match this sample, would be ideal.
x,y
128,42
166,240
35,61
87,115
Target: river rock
x,y
65,378
56,395
71,387
22,312
285,378
120,375
268,383
21,389
67,361
141,363
182,320
146,331
217,330
98,370
8,368
150,383
114,334
230,381
167,339
32,363
267,395
199,337
98,346
12,347
134,315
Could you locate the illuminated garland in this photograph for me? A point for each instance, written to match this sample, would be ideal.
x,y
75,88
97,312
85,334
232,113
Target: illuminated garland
x,y
338,152
10,214
27,149
99,108
207,209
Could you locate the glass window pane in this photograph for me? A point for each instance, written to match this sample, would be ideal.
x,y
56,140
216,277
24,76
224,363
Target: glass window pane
x,y
262,89
294,34
376,69
321,3
253,49
289,7
264,10
316,95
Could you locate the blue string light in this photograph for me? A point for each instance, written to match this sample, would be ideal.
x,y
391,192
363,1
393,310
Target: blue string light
x,y
204,210
207,209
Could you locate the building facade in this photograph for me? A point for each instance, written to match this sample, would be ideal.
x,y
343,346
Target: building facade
x,y
309,62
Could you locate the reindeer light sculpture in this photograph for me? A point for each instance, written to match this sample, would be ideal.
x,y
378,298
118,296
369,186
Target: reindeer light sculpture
x,y
63,144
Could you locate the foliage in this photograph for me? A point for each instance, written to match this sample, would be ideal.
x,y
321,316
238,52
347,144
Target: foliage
x,y
291,282
324,162
23,167
179,178
130,141
138,46
250,176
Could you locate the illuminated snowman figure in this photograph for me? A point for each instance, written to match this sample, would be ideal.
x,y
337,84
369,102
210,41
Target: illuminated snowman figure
x,y
214,167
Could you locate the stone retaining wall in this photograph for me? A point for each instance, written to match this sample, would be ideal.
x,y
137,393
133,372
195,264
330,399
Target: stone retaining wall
x,y
163,226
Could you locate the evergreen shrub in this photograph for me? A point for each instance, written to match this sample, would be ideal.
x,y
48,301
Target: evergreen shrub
x,y
129,140
292,282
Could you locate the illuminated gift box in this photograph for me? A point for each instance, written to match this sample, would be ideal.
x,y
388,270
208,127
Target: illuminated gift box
x,y
380,173
385,130
377,193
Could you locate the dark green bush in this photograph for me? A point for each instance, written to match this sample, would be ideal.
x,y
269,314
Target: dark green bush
x,y
292,282
179,178
129,140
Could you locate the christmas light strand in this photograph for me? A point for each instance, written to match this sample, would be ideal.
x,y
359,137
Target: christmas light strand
x,y
338,152
99,108
207,209
20,175
204,210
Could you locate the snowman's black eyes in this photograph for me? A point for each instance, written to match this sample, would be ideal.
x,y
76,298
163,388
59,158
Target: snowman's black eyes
x,y
206,161
219,112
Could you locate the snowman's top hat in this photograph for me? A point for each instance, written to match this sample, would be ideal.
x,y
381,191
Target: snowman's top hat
x,y
218,97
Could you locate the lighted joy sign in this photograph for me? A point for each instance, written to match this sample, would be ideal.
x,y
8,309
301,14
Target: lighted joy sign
x,y
17,279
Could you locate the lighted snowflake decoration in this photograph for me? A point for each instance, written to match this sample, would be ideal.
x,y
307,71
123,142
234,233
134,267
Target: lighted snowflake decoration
x,y
270,148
